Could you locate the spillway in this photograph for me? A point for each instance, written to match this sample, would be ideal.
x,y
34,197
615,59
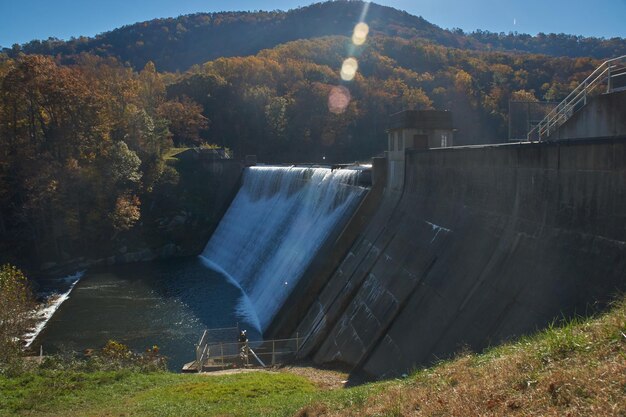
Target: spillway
x,y
274,227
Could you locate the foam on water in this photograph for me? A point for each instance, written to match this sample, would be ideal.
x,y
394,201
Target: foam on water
x,y
274,227
245,310
50,306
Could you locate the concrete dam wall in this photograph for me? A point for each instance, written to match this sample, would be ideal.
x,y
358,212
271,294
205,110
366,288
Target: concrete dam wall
x,y
480,245
602,117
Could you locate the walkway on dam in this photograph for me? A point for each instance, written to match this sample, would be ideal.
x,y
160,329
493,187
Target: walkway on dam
x,y
214,355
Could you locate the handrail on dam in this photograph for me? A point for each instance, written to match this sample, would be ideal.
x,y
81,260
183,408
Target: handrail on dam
x,y
609,72
220,355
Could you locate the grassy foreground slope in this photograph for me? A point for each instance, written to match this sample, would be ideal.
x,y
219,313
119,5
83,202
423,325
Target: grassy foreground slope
x,y
155,394
575,370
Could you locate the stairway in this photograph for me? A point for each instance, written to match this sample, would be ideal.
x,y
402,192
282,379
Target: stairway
x,y
607,78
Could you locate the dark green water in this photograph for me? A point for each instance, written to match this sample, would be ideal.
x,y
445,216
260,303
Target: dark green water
x,y
165,303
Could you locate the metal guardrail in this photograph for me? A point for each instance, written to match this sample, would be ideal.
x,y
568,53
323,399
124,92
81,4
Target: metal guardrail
x,y
211,336
609,72
227,354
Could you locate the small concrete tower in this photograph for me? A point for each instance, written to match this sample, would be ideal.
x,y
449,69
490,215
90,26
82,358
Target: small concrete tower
x,y
415,129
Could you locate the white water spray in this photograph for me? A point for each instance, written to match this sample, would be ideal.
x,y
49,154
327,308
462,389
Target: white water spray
x,y
274,227
49,307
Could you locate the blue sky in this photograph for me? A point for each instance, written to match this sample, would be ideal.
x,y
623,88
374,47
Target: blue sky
x,y
24,20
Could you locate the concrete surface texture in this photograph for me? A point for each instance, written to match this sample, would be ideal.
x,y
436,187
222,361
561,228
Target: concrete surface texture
x,y
481,245
603,116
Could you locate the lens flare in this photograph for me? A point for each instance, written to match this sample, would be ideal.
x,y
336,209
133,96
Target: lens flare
x,y
366,7
338,99
360,33
348,69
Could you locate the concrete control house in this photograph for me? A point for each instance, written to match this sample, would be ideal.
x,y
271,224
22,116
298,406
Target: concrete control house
x,y
418,130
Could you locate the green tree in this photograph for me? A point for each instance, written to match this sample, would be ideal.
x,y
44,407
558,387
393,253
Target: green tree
x,y
276,112
16,308
123,165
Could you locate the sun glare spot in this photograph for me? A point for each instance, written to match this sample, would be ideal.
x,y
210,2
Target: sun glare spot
x,y
338,99
348,69
360,33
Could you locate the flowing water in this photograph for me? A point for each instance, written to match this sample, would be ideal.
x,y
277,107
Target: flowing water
x,y
52,292
274,227
165,303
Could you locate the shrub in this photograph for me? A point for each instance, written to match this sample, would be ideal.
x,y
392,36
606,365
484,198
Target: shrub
x,y
16,307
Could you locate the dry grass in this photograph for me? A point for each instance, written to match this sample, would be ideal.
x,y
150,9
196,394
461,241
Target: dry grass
x,y
575,370
324,379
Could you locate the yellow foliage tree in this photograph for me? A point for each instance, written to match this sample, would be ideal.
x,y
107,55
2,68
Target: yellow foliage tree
x,y
16,306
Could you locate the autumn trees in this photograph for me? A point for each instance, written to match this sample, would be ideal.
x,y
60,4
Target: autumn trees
x,y
80,147
16,309
175,44
275,104
186,121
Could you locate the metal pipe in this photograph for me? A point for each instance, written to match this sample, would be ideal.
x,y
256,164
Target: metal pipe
x,y
256,357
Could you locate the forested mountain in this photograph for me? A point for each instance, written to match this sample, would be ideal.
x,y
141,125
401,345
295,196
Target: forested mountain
x,y
178,43
276,104
552,44
84,133
82,146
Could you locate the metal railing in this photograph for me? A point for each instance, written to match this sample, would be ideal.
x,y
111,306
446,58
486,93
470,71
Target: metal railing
x,y
212,336
611,72
263,353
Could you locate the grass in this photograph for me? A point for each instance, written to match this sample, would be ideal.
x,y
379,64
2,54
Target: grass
x,y
121,393
252,394
58,392
578,369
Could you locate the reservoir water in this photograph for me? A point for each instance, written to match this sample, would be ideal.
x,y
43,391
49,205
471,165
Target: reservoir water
x,y
166,303
273,229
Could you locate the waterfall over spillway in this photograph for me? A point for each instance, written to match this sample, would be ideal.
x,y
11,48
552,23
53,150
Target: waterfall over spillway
x,y
275,226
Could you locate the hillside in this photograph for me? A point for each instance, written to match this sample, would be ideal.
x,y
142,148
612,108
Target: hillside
x,y
274,104
178,43
277,100
575,370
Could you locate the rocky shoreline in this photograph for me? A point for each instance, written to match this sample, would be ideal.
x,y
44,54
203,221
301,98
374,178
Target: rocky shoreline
x,y
54,269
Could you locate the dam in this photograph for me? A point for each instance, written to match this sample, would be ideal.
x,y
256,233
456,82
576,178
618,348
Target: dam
x,y
386,268
275,225
469,247
481,245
